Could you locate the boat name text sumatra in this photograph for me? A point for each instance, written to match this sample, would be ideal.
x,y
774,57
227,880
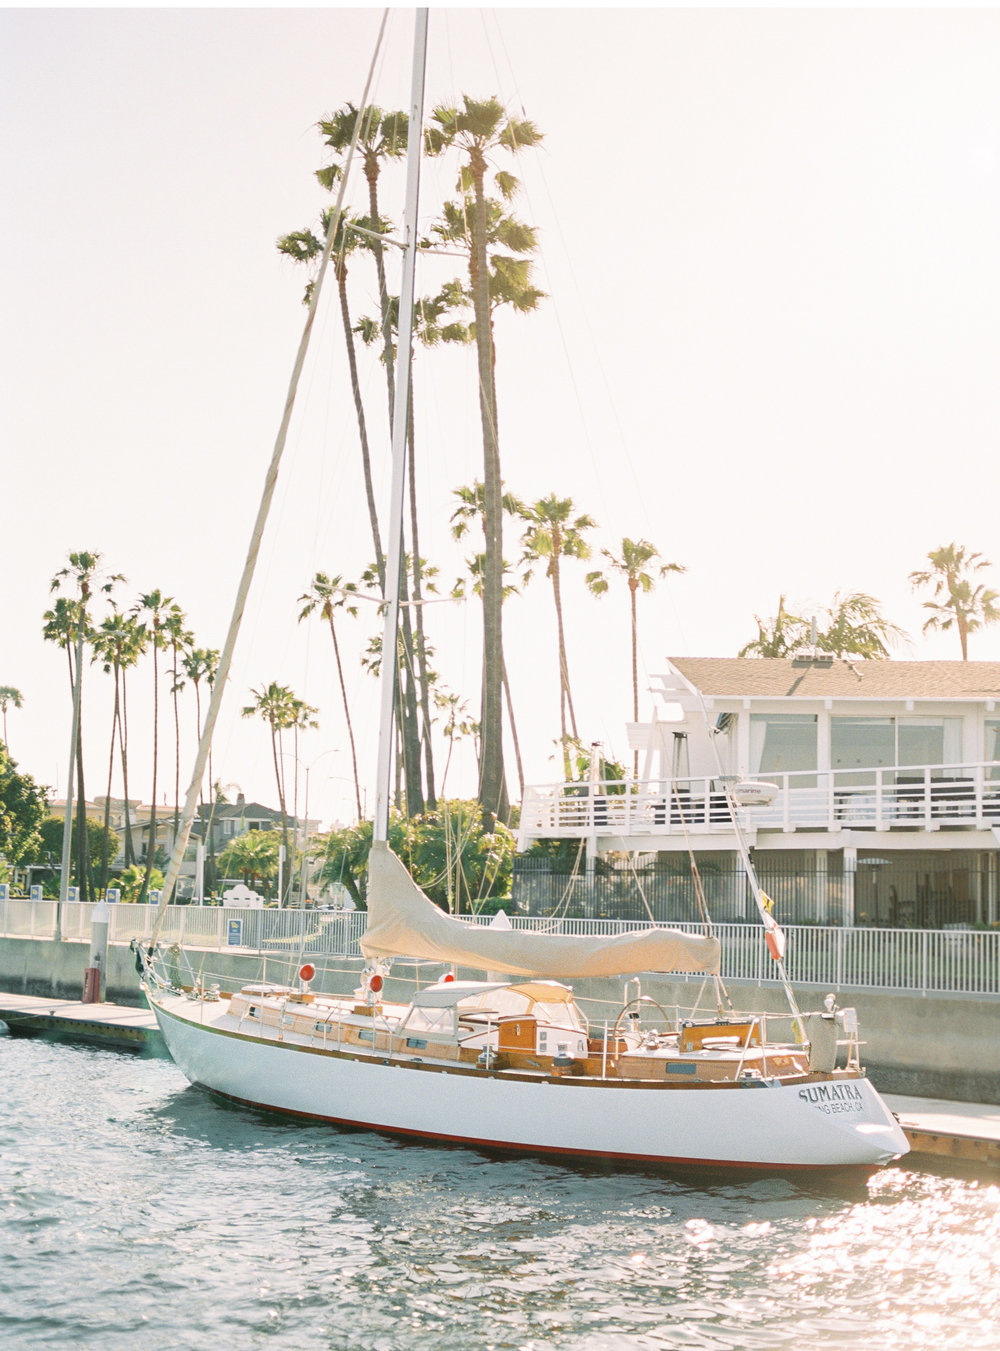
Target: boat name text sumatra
x,y
833,1098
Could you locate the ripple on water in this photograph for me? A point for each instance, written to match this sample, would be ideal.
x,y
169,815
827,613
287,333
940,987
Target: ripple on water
x,y
139,1213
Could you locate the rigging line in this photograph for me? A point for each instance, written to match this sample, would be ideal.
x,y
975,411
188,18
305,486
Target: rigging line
x,y
744,851
249,567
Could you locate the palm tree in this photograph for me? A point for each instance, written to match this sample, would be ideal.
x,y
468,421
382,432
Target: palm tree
x,y
857,628
179,640
9,698
778,637
471,508
305,247
553,534
458,723
201,663
156,607
251,856
478,130
957,604
631,564
69,623
281,710
382,136
329,594
510,281
117,644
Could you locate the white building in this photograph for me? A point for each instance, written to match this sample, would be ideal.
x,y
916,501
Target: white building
x,y
888,809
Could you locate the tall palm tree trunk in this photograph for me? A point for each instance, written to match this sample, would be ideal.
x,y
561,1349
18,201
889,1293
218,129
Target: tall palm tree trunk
x,y
347,714
123,748
633,588
371,175
115,718
513,732
492,785
359,408
151,846
84,880
565,697
279,780
418,625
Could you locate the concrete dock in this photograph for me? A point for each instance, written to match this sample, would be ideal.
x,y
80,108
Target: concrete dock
x,y
968,1132
109,1024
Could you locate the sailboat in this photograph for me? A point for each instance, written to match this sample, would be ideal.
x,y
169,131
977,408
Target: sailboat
x,y
504,1057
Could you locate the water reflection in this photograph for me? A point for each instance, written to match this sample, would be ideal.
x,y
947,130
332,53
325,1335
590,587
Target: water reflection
x,y
141,1213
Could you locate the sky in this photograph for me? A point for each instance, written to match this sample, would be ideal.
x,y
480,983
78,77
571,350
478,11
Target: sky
x,y
769,344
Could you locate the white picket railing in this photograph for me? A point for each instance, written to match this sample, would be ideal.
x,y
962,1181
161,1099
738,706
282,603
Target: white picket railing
x,y
950,961
922,797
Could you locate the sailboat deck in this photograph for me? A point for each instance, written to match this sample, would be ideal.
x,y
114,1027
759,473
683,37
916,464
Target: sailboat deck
x,y
478,1042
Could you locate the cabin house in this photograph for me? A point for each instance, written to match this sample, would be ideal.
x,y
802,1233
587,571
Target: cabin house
x,y
887,810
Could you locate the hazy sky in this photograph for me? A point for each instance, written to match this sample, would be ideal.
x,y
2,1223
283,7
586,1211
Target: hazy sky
x,y
770,244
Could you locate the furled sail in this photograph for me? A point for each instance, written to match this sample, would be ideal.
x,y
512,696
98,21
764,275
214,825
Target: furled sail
x,y
403,922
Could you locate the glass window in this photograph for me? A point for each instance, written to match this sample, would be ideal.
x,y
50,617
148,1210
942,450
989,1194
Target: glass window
x,y
993,745
929,741
781,743
861,743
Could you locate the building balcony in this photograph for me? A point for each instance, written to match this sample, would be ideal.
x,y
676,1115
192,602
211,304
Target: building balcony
x,y
651,815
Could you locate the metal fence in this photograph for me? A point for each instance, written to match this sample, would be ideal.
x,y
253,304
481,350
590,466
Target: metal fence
x,y
931,891
950,961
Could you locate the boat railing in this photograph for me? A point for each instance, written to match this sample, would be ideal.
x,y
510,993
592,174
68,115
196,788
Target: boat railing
x,y
960,961
908,797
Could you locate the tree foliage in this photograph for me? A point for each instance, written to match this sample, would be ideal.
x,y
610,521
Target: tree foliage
x,y
854,627
462,866
22,811
253,856
957,602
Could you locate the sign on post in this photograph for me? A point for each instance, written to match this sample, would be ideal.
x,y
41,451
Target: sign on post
x,y
112,895
72,893
234,933
154,898
36,892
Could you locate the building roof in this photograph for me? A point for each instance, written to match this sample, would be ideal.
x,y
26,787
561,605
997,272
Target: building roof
x,y
839,678
239,811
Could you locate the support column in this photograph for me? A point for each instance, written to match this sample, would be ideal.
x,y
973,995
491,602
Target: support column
x,y
850,874
822,887
588,868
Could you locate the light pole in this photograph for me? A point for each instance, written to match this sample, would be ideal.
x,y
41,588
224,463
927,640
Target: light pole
x,y
334,750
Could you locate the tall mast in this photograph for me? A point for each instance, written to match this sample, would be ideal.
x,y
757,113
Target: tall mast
x,y
404,347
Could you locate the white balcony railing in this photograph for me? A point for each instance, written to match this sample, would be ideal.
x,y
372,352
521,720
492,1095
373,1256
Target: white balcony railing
x,y
918,797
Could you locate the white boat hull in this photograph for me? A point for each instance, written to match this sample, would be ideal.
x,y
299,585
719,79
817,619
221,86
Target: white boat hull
x,y
840,1124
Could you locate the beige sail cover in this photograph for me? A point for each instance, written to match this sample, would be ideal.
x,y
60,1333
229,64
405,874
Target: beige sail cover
x,y
403,922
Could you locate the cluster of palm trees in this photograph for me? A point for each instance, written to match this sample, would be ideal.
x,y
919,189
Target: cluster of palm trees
x,y
853,625
478,224
551,532
155,627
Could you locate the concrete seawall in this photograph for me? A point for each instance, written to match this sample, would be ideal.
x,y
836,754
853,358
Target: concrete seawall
x,y
938,1046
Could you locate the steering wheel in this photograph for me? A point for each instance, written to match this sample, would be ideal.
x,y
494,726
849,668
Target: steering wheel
x,y
636,1004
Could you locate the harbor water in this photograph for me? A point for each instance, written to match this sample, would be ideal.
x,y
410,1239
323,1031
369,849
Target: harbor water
x,y
139,1213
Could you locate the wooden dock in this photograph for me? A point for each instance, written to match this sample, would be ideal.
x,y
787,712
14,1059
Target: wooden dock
x,y
964,1131
109,1024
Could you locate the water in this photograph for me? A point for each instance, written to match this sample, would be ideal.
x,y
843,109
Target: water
x,y
139,1213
